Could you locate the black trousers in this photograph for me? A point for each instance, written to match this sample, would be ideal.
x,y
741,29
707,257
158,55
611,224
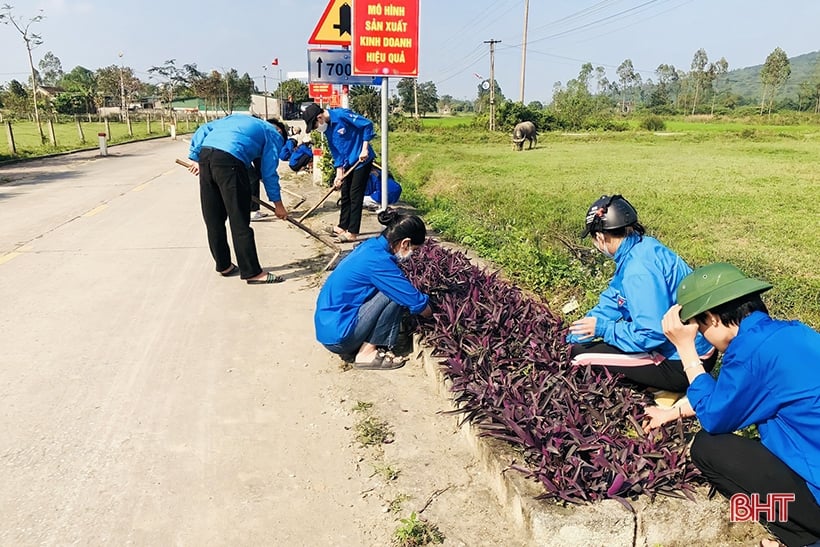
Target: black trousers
x,y
353,188
254,178
735,464
668,374
225,194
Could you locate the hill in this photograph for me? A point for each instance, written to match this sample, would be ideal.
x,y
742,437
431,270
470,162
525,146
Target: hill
x,y
746,81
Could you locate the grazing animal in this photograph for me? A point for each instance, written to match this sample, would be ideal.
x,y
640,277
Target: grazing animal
x,y
524,131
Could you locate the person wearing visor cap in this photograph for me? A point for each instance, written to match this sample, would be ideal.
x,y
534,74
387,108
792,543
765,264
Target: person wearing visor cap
x,y
348,137
623,331
769,377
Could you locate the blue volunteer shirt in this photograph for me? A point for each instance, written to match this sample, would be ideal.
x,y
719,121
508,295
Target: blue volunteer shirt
x,y
369,268
345,134
629,312
770,376
374,188
246,138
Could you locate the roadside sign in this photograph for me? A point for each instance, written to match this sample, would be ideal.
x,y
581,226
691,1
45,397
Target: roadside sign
x,y
386,37
333,27
333,66
320,90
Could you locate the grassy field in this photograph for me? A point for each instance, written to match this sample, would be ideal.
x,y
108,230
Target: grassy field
x,y
749,195
27,139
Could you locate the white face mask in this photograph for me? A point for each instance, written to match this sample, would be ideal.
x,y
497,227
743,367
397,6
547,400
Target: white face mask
x,y
321,127
402,257
600,244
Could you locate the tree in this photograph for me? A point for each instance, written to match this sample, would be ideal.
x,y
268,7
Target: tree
x,y
32,41
627,78
482,102
775,72
699,62
51,70
16,99
294,88
427,97
81,82
366,100
718,70
170,79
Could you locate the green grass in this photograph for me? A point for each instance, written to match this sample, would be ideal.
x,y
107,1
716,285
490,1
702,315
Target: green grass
x,y
27,138
749,195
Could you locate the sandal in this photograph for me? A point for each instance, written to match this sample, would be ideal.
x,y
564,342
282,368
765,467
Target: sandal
x,y
232,272
346,238
382,361
271,278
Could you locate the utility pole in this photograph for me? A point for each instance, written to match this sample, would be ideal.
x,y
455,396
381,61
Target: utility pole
x,y
524,49
122,92
492,81
265,83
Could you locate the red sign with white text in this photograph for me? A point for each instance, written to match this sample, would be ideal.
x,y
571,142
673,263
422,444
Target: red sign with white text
x,y
320,90
386,38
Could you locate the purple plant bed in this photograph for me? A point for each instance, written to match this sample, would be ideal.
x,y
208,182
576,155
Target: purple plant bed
x,y
578,428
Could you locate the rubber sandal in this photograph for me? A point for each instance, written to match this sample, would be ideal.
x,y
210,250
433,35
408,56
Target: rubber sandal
x,y
271,278
232,272
396,358
382,361
346,239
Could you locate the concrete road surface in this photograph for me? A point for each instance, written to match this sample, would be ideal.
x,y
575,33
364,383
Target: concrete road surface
x,y
145,400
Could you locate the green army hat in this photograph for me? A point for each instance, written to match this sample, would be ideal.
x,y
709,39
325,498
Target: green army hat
x,y
712,285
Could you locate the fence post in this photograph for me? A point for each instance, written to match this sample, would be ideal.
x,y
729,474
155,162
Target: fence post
x,y
10,135
80,129
148,123
51,134
108,129
130,129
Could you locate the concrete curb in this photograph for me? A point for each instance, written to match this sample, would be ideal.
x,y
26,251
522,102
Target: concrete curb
x,y
667,522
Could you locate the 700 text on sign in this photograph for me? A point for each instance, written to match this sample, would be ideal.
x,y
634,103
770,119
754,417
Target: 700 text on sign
x,y
333,66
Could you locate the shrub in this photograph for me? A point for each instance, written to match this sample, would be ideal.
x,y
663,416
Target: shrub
x,y
653,123
578,428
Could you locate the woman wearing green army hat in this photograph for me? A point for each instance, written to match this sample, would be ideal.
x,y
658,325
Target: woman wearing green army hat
x,y
770,377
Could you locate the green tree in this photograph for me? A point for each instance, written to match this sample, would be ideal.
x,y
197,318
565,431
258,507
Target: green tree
x,y
293,88
16,100
627,78
775,72
366,100
482,102
171,80
406,88
81,82
699,62
574,104
51,70
427,97
31,41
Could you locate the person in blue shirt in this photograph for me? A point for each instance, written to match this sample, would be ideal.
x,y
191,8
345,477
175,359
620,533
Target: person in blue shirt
x,y
348,137
359,309
769,377
222,151
623,331
287,149
373,192
302,155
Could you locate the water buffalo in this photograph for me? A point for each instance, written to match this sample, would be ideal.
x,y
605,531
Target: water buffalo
x,y
524,131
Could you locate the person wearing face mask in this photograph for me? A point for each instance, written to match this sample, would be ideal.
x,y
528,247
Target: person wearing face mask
x,y
359,308
623,331
348,137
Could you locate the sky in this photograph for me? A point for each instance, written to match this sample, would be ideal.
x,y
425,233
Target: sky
x,y
562,35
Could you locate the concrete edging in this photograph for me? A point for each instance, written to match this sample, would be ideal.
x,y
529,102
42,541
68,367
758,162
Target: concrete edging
x,y
667,522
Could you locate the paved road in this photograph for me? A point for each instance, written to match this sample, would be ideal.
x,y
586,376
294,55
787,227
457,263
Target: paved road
x,y
145,400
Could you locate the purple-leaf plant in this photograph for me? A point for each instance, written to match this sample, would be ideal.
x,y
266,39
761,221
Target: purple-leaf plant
x,y
578,428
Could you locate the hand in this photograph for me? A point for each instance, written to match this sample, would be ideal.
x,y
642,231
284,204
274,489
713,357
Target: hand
x,y
681,335
280,211
337,183
365,153
657,416
194,168
584,328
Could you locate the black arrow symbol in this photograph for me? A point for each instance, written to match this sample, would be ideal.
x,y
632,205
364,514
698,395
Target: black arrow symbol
x,y
344,19
319,64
